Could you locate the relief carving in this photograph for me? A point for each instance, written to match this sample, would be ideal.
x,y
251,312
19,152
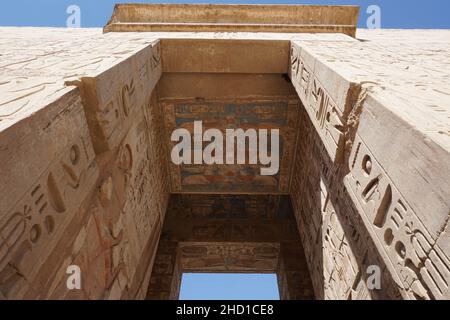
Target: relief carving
x,y
412,255
134,163
128,94
322,109
340,265
39,219
229,256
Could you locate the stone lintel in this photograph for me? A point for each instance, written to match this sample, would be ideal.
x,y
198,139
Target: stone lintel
x,y
225,56
230,257
233,18
224,86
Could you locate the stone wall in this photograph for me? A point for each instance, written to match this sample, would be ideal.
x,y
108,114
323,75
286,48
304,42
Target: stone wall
x,y
374,170
93,191
337,246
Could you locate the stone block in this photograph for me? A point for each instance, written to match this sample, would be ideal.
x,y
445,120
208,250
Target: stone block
x,y
406,244
39,197
113,97
328,96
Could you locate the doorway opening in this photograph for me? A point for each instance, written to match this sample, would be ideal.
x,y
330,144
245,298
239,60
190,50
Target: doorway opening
x,y
229,286
213,237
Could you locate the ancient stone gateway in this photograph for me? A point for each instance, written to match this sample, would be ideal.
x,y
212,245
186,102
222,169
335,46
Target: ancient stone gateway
x,y
85,154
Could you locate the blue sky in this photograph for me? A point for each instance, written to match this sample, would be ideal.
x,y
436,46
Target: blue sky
x,y
197,286
395,13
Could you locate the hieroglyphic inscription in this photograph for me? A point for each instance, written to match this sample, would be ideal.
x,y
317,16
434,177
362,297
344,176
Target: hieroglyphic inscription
x,y
328,223
158,155
341,269
135,153
410,251
32,226
324,112
114,97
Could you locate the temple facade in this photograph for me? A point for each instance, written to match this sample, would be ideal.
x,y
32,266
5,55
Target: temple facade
x,y
360,205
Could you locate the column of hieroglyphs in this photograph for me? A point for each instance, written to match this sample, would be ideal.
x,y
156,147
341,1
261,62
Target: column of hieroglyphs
x,y
384,135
